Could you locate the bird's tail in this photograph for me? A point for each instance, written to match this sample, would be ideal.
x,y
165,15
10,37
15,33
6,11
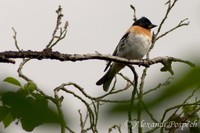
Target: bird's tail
x,y
106,80
110,74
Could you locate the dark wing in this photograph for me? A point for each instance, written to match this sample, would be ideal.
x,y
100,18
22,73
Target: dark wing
x,y
116,49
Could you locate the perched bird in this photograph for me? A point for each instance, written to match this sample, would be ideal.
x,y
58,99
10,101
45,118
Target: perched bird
x,y
133,45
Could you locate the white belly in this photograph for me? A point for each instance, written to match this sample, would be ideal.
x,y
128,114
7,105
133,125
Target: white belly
x,y
135,47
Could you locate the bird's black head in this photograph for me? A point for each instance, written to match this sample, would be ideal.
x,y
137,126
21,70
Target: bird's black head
x,y
145,23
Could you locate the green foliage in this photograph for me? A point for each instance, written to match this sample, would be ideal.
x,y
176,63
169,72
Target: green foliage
x,y
30,86
189,81
25,106
5,116
190,112
13,81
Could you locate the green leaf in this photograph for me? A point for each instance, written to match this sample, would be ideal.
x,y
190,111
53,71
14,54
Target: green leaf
x,y
40,113
3,112
31,110
8,119
12,81
191,112
30,86
38,96
175,118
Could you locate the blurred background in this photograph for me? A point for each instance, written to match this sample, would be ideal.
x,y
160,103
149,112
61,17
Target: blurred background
x,y
94,25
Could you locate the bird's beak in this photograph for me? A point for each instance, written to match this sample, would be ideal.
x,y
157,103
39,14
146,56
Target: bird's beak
x,y
152,26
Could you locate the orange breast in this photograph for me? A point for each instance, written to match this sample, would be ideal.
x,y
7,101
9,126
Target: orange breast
x,y
140,30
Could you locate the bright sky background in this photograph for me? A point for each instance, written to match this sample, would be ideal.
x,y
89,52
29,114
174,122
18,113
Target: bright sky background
x,y
94,25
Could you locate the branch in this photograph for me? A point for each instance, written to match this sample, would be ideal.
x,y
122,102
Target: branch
x,y
15,39
164,84
60,112
140,97
19,70
117,127
132,100
180,24
91,113
63,30
54,55
156,35
23,76
99,98
170,6
177,107
83,122
134,12
6,60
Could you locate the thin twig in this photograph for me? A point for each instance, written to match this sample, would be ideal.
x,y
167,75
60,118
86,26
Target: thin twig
x,y
148,112
181,23
63,30
130,130
19,70
118,127
6,60
81,120
134,12
140,97
61,36
23,76
91,114
86,118
60,112
180,105
156,35
81,89
185,101
165,83
96,105
129,82
170,7
113,101
175,107
15,39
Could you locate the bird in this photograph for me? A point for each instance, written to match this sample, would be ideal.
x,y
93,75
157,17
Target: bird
x,y
133,45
